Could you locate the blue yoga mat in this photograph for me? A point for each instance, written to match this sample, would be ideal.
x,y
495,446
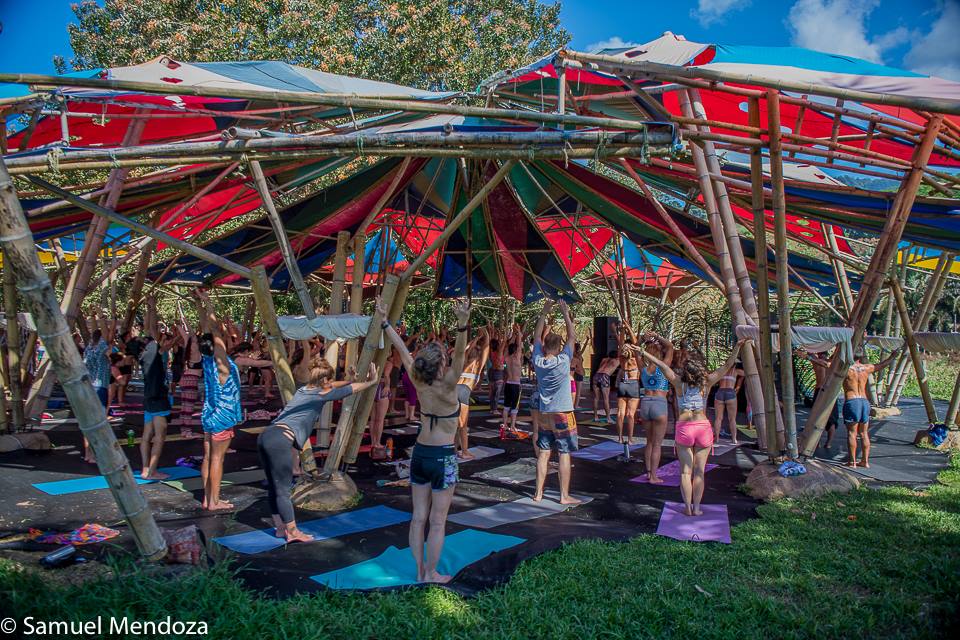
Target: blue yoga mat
x,y
395,567
603,451
91,483
342,524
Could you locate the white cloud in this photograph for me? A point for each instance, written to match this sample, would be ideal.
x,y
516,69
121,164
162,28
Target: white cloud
x,y
709,12
840,26
616,42
937,53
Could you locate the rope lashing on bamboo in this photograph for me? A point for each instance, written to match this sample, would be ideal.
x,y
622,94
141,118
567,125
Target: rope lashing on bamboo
x,y
53,159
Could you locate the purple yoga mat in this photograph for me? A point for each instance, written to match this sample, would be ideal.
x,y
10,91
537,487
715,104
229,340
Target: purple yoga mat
x,y
713,525
669,473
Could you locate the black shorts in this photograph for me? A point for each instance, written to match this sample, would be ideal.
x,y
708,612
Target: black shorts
x,y
578,377
434,465
511,396
628,389
463,394
833,418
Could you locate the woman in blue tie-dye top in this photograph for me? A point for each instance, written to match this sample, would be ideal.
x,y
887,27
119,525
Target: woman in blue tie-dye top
x,y
221,404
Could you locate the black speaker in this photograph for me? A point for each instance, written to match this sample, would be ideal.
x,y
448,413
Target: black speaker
x,y
604,339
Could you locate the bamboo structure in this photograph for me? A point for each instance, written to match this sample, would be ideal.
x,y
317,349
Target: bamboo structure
x,y
356,293
332,353
289,259
765,348
914,351
20,257
954,408
873,280
13,349
783,277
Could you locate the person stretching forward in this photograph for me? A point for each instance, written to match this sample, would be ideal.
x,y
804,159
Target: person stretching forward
x,y
558,426
434,470
694,433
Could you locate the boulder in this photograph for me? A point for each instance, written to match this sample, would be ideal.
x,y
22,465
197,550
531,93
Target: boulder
x,y
32,440
333,494
884,412
951,443
764,483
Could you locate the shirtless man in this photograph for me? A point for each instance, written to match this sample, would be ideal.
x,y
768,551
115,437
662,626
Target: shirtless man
x,y
578,372
856,407
821,366
476,359
601,385
512,388
498,347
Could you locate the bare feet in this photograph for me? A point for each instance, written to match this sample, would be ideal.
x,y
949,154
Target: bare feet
x,y
295,535
655,480
222,505
156,475
466,455
438,578
538,497
697,511
687,511
279,528
851,464
865,464
570,500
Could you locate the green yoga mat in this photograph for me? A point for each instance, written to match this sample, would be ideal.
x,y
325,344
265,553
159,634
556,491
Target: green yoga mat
x,y
396,568
237,477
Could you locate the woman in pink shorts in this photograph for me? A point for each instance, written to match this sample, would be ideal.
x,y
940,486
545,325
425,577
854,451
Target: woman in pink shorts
x,y
694,433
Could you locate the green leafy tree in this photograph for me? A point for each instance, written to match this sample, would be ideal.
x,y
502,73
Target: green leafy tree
x,y
435,44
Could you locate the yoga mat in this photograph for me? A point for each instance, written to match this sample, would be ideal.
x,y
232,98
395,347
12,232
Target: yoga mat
x,y
408,430
520,471
669,473
235,477
884,474
603,451
516,511
342,524
480,452
396,567
713,525
724,447
479,407
91,483
485,433
596,423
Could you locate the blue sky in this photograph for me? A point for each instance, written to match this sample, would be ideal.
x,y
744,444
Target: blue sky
x,y
922,35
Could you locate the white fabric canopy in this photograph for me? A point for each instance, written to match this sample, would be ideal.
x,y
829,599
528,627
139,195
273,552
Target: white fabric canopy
x,y
812,339
342,327
887,343
939,342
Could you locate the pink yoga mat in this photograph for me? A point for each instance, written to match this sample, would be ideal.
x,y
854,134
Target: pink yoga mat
x,y
669,473
713,525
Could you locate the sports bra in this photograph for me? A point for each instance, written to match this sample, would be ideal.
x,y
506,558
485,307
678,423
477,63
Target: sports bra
x,y
655,381
691,399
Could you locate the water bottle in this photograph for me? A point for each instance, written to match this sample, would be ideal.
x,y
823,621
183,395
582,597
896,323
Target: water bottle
x,y
389,448
131,438
503,431
59,558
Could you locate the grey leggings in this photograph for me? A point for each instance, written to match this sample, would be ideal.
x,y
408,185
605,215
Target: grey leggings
x,y
276,456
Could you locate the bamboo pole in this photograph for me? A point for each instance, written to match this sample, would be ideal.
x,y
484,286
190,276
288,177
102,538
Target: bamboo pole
x,y
356,293
690,250
332,353
951,420
283,242
935,289
619,65
839,269
787,388
34,286
356,409
872,282
13,347
718,232
328,99
587,152
765,348
911,341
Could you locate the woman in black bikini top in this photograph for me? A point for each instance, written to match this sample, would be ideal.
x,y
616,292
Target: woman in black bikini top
x,y
433,466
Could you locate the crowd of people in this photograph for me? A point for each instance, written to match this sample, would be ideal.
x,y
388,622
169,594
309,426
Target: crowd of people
x,y
438,371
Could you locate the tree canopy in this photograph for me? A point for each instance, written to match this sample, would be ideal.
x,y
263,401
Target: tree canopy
x,y
430,44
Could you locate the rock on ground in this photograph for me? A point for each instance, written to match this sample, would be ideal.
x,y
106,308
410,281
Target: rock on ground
x,y
33,440
764,483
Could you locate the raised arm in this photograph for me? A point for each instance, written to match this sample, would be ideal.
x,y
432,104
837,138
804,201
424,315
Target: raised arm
x,y
667,348
714,377
372,379
571,328
886,362
462,311
541,322
664,367
395,338
210,324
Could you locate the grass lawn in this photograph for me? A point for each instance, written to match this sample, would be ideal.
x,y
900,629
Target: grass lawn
x,y
872,564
